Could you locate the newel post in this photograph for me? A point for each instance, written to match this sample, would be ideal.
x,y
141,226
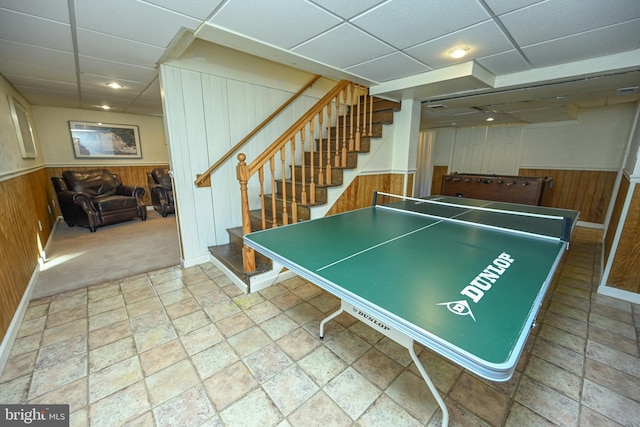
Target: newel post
x,y
242,173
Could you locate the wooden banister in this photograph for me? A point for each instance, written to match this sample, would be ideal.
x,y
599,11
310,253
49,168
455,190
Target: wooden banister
x,y
204,177
295,128
324,127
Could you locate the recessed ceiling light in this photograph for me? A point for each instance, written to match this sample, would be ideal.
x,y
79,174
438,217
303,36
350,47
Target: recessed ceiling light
x,y
105,107
115,85
490,119
458,52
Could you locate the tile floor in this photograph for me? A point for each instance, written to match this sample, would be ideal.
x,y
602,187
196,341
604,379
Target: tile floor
x,y
183,347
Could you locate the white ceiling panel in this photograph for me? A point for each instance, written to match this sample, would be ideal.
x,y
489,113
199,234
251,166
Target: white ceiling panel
x,y
55,10
34,55
198,9
117,49
483,39
553,19
36,31
503,6
286,26
362,47
615,38
38,73
390,67
142,22
117,70
545,45
347,9
505,63
406,23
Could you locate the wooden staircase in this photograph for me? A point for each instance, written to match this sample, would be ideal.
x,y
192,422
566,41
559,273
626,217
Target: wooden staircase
x,y
278,207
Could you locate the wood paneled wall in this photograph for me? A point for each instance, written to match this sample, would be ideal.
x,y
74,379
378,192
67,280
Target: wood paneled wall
x,y
625,269
129,175
359,194
24,203
586,191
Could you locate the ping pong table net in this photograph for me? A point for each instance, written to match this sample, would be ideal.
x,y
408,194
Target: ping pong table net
x,y
533,221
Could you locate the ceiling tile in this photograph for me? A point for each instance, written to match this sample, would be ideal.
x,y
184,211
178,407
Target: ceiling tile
x,y
553,19
483,39
42,32
142,22
117,49
426,20
343,46
36,55
55,10
503,6
389,67
286,26
504,63
117,70
198,9
347,9
60,97
613,39
17,71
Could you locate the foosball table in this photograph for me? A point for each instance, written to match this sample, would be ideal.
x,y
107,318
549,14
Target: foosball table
x,y
502,188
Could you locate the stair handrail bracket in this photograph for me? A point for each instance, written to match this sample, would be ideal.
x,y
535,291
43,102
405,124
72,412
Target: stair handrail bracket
x,y
330,128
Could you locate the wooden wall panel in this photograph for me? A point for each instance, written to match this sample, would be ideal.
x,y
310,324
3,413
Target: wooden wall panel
x,y
129,175
23,201
625,270
436,179
359,194
586,191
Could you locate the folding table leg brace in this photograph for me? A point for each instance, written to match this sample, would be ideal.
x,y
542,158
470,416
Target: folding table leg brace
x,y
398,337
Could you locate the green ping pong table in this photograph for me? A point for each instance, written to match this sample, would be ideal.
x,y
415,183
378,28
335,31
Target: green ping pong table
x,y
462,277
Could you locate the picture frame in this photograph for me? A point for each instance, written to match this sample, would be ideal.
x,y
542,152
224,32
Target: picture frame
x,y
24,131
104,140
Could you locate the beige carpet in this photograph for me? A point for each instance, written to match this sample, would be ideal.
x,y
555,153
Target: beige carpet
x,y
77,258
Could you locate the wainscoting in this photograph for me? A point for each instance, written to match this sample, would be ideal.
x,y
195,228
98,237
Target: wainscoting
x,y
359,194
24,204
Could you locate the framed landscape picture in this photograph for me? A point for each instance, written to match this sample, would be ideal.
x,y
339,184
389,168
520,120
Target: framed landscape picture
x,y
24,132
105,140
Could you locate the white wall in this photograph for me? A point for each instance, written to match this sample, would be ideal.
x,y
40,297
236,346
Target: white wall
x,y
52,124
595,141
11,161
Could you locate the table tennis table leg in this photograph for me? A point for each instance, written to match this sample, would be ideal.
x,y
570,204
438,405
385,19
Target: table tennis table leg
x,y
432,387
397,336
326,319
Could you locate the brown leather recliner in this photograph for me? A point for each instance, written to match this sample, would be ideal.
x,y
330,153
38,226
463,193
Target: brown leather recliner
x,y
96,197
161,189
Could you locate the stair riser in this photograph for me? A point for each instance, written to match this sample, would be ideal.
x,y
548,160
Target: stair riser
x,y
365,144
304,212
352,160
384,117
336,175
321,192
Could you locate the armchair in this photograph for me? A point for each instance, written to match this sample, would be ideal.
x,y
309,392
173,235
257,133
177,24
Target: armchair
x,y
97,197
161,189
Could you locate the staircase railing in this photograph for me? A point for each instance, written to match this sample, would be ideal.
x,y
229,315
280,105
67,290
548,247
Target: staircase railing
x,y
203,179
334,128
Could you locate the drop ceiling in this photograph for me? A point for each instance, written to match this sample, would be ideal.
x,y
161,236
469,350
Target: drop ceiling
x,y
528,60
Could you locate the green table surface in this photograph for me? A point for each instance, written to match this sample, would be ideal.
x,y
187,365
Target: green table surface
x,y
407,270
